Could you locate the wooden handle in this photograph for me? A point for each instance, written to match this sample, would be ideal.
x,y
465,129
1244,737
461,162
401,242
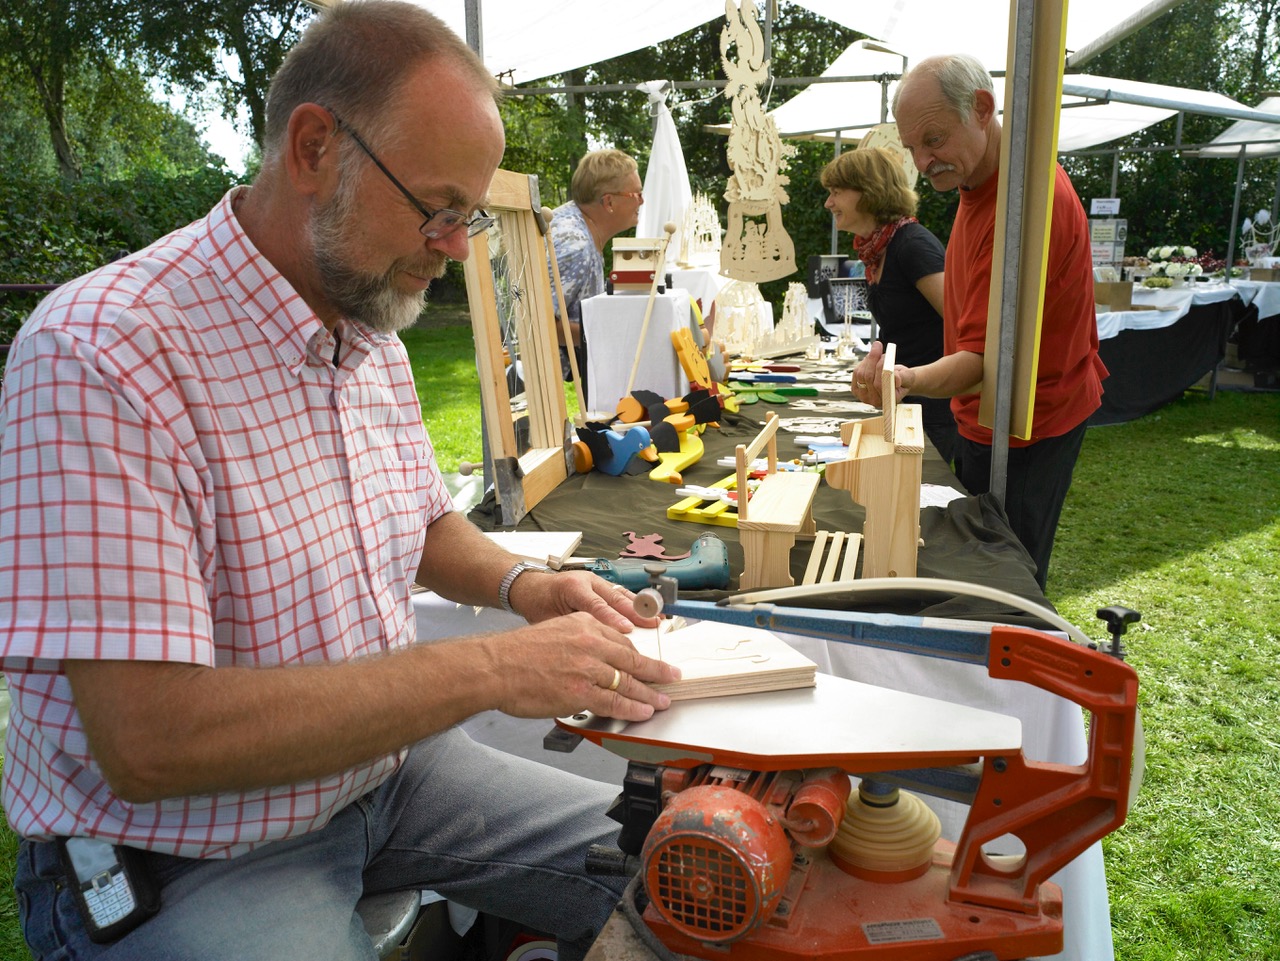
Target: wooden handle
x,y
659,263
564,316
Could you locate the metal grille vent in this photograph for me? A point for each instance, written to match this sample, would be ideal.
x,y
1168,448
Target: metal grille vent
x,y
703,889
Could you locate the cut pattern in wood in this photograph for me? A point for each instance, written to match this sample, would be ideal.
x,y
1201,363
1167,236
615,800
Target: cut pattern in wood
x,y
794,333
717,660
886,137
648,546
756,246
700,234
779,509
882,473
512,315
742,319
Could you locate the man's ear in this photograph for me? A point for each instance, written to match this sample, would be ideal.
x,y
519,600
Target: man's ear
x,y
984,106
308,157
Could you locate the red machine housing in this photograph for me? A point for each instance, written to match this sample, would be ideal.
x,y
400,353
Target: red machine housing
x,y
735,866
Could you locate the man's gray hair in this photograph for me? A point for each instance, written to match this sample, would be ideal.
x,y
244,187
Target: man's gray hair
x,y
355,57
959,76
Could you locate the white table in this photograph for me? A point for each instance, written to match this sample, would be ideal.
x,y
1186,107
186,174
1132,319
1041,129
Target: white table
x,y
611,325
1263,294
1052,730
1170,306
703,284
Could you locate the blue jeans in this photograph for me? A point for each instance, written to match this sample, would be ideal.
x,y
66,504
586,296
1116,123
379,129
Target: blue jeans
x,y
499,833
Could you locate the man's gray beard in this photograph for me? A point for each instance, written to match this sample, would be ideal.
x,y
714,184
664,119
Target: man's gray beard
x,y
368,298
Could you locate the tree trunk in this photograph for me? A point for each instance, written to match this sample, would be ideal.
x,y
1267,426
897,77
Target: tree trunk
x,y
52,90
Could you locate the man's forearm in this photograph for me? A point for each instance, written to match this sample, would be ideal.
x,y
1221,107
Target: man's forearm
x,y
460,563
958,373
162,730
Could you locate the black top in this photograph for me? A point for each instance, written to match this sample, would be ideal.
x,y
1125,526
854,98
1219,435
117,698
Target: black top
x,y
903,315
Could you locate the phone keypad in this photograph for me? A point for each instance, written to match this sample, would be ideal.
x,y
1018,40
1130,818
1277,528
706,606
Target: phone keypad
x,y
108,897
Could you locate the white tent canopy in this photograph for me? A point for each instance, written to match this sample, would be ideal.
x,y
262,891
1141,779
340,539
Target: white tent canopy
x,y
525,40
1261,137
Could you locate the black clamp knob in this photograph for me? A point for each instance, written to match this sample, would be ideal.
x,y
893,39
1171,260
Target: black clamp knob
x,y
1118,620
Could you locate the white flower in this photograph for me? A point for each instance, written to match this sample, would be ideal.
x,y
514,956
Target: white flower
x,y
1189,253
1167,252
1262,217
1246,226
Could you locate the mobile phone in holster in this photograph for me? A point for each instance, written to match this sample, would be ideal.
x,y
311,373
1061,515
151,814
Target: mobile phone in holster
x,y
113,887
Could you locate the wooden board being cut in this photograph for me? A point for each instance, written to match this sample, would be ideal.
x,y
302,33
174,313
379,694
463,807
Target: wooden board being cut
x,y
717,660
552,548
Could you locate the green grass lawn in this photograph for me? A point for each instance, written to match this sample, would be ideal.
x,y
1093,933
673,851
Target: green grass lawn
x,y
1176,515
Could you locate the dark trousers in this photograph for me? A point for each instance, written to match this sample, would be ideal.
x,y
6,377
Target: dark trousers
x,y
1036,485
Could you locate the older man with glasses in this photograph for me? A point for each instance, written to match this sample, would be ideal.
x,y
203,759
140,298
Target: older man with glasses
x,y
606,199
215,493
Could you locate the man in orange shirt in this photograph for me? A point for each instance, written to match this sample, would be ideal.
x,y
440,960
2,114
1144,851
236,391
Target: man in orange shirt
x,y
946,113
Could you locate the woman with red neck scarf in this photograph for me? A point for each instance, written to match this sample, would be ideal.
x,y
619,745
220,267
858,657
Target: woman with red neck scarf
x,y
869,196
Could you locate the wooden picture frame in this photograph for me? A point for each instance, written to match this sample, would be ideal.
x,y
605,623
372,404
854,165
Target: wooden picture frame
x,y
513,317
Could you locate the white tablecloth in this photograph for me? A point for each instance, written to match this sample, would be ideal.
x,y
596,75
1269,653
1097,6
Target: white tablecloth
x,y
1265,295
611,324
702,283
1052,730
1172,304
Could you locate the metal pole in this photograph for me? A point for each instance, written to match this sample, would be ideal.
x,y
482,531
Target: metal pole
x,y
475,30
835,239
1275,203
1115,174
1235,216
1017,112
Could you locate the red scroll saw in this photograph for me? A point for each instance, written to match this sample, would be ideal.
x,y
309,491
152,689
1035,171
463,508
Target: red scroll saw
x,y
737,811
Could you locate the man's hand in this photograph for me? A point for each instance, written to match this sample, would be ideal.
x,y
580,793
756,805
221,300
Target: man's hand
x,y
539,595
573,663
866,376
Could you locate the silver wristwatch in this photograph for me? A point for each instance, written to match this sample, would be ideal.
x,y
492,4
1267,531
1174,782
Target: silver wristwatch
x,y
509,578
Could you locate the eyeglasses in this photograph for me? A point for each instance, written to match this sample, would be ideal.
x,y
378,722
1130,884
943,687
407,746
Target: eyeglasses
x,y
637,194
438,223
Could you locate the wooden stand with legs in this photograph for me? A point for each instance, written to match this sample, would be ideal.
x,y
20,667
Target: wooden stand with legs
x,y
779,508
882,473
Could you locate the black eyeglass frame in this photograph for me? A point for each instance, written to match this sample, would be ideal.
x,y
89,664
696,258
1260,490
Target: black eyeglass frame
x,y
478,223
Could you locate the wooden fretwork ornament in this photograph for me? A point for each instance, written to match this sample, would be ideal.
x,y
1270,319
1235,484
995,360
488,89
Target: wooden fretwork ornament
x,y
756,245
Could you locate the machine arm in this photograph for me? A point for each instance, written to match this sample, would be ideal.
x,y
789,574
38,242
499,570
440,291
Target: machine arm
x,y
1056,810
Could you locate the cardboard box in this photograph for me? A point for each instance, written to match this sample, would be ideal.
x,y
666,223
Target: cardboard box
x,y
1114,295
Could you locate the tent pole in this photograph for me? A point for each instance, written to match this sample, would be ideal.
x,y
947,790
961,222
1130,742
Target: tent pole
x,y
835,239
1275,202
1115,173
1235,217
475,31
1017,106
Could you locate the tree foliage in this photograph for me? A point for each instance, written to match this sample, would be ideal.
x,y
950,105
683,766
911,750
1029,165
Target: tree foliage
x,y
74,102
803,45
45,43
187,42
1169,196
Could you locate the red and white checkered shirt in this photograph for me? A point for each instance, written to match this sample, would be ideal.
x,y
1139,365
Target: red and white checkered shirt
x,y
185,476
